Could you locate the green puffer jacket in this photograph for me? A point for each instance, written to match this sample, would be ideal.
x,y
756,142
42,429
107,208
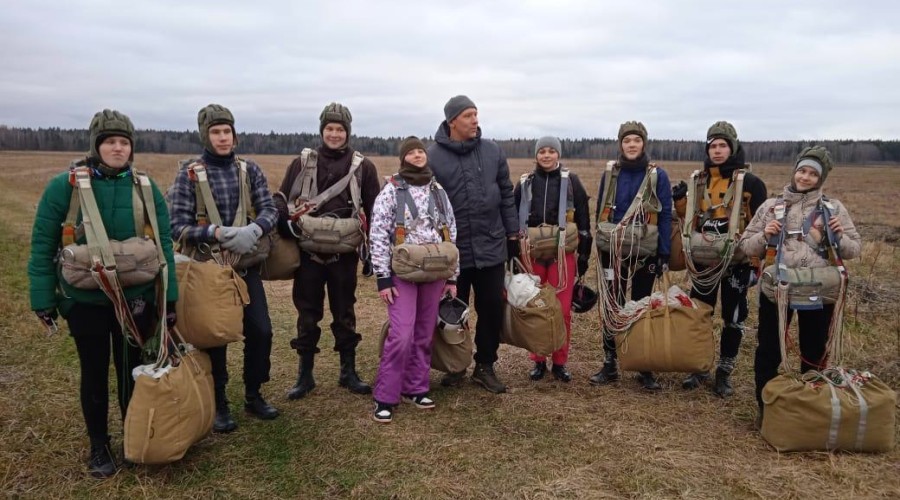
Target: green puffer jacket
x,y
114,198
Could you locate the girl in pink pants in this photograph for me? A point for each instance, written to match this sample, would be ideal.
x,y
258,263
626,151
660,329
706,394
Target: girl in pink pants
x,y
412,208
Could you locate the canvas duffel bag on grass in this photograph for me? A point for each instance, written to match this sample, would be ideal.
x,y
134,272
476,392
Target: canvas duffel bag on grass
x,y
669,339
836,409
171,408
449,353
211,300
538,326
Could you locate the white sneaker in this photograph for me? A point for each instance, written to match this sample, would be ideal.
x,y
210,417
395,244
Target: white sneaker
x,y
422,402
383,413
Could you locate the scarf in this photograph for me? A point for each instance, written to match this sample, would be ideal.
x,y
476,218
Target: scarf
x,y
414,175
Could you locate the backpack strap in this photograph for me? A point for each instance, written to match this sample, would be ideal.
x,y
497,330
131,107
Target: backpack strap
x,y
563,203
442,203
305,184
774,242
609,191
207,212
737,206
245,210
303,205
525,182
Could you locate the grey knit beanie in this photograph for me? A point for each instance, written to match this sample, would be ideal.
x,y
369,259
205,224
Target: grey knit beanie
x,y
457,105
548,141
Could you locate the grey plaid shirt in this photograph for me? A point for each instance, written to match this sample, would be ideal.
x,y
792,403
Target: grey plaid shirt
x,y
224,182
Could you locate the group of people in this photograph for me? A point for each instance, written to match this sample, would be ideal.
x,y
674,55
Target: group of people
x,y
454,201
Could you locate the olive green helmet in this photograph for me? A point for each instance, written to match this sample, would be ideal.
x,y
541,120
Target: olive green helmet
x,y
214,114
335,113
726,131
107,123
635,128
818,155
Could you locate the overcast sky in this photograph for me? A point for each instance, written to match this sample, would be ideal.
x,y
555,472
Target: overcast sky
x,y
776,69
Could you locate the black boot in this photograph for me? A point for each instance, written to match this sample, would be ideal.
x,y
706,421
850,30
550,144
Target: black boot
x,y
256,406
484,375
694,380
609,373
305,381
539,370
223,422
561,373
722,387
349,378
648,382
101,464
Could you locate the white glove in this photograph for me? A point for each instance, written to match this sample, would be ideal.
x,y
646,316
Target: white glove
x,y
244,240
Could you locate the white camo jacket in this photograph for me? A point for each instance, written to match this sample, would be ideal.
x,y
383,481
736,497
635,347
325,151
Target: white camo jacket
x,y
419,230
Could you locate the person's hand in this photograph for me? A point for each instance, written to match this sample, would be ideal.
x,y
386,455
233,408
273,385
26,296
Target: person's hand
x,y
583,262
449,289
772,228
171,315
387,295
835,224
512,249
662,265
225,233
679,191
48,319
244,240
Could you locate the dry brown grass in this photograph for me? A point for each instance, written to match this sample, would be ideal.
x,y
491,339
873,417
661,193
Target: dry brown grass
x,y
542,440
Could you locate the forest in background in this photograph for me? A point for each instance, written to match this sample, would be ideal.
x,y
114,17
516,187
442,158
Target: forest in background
x,y
188,142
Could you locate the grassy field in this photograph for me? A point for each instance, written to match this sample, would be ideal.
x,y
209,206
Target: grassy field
x,y
541,440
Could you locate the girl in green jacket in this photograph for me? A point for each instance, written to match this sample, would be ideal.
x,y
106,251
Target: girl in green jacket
x,y
90,314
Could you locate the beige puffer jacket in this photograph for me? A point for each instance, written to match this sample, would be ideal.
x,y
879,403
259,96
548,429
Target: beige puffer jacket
x,y
800,252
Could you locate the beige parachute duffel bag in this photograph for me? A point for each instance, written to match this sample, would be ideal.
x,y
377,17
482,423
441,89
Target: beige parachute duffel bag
x,y
669,339
710,249
835,409
172,407
450,353
537,326
424,263
211,300
635,240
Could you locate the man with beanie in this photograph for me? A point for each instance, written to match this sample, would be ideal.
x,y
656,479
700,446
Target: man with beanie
x,y
635,271
219,138
329,165
475,175
724,155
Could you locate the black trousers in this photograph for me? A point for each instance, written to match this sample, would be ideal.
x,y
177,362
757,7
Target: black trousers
x,y
487,283
257,341
641,286
93,327
813,327
310,283
733,290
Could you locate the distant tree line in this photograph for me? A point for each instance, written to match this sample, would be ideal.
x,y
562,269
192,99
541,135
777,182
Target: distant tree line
x,y
186,142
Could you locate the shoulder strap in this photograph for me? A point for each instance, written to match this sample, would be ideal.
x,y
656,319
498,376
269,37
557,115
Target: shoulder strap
x,y
312,205
525,181
563,201
737,186
206,204
305,184
245,207
774,242
442,202
609,191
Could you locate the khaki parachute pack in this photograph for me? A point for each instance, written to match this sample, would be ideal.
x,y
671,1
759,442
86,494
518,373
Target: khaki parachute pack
x,y
637,234
111,265
322,234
